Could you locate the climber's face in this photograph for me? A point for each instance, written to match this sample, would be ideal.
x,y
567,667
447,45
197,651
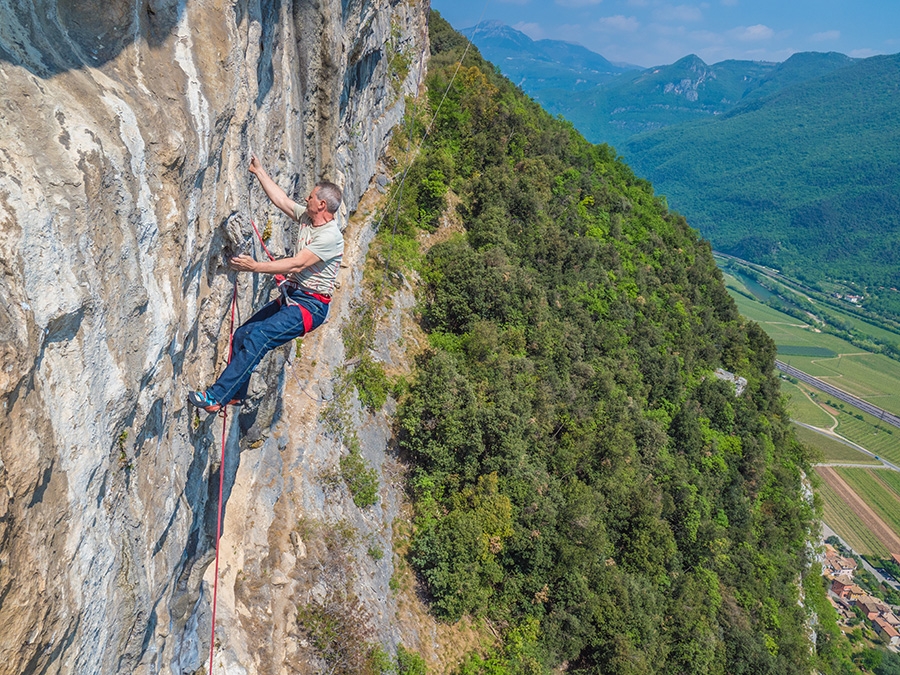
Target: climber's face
x,y
314,205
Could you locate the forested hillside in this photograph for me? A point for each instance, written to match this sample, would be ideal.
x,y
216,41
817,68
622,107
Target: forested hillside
x,y
685,91
805,180
580,476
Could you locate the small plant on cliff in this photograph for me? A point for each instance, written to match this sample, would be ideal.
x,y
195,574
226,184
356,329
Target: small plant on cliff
x,y
371,383
123,455
400,59
361,479
338,631
366,374
409,662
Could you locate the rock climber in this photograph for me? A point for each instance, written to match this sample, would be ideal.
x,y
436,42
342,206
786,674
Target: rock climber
x,y
311,275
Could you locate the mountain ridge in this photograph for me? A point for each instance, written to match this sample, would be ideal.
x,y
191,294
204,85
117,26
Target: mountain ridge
x,y
542,63
610,103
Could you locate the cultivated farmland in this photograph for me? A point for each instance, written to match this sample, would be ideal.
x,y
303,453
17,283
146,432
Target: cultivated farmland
x,y
848,525
876,494
803,409
885,532
832,450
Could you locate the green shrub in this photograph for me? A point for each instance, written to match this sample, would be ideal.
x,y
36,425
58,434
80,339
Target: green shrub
x,y
371,383
361,479
409,662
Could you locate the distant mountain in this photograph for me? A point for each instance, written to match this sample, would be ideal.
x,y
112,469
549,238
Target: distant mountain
x,y
806,179
609,103
542,64
687,90
800,67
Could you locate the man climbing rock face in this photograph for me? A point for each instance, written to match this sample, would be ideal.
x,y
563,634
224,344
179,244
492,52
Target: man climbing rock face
x,y
305,294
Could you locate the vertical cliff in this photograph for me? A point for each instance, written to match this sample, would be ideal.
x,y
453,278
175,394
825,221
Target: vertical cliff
x,y
125,132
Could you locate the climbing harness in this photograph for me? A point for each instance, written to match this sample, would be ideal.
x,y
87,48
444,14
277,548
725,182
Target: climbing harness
x,y
284,284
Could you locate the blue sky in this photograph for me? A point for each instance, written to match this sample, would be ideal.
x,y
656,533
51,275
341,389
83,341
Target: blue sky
x,y
656,32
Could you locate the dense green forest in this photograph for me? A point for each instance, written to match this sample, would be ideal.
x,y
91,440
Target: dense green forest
x,y
805,180
791,165
580,477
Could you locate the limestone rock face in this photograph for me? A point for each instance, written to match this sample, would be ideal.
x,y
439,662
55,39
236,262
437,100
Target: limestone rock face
x,y
125,133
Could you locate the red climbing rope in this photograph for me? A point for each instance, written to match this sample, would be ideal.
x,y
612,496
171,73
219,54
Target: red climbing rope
x,y
279,278
212,640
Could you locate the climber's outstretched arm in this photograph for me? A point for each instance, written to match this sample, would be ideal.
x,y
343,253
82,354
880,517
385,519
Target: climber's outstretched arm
x,y
273,192
293,265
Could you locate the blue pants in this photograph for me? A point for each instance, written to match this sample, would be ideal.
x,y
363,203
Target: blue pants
x,y
272,326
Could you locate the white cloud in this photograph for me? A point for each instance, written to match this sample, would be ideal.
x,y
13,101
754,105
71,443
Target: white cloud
x,y
826,36
576,4
753,33
533,30
627,24
678,13
863,53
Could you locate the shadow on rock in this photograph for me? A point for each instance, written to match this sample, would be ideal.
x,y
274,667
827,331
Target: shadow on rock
x,y
52,36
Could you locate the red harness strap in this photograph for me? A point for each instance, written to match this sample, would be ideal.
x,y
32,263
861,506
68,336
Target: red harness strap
x,y
318,296
307,319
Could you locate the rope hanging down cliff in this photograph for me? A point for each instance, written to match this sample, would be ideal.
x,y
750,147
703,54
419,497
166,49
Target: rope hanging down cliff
x,y
306,281
224,411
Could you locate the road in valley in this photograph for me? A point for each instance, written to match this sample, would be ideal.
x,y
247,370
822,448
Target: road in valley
x,y
840,394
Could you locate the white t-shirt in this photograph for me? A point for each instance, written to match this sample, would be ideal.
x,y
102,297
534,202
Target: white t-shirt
x,y
327,242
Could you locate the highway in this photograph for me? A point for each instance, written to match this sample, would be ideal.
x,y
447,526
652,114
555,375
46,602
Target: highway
x,y
839,394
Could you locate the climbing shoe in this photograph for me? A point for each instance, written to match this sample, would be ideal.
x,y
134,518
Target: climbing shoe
x,y
200,399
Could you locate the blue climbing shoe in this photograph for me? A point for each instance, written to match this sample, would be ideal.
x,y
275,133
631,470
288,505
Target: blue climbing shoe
x,y
200,399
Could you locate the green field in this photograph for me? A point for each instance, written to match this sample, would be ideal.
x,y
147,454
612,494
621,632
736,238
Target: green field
x,y
763,314
795,335
830,311
872,377
832,450
881,499
805,350
802,409
847,525
892,479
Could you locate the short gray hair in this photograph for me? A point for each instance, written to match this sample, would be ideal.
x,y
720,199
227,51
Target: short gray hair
x,y
331,193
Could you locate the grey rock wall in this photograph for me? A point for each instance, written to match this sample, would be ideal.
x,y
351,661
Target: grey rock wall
x,y
125,132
